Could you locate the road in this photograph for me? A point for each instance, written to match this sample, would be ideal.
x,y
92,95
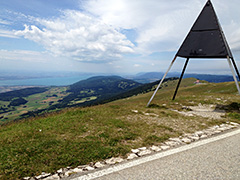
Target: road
x,y
213,158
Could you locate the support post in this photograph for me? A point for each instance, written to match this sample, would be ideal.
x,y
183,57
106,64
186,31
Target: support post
x,y
234,77
236,69
179,82
162,80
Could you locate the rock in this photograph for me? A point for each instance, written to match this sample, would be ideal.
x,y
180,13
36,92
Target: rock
x,y
164,147
199,133
142,148
186,140
234,124
144,152
208,132
44,175
88,168
203,136
176,140
60,171
77,170
131,156
216,132
118,159
99,165
68,173
114,160
195,138
135,111
172,143
222,129
26,178
155,148
135,150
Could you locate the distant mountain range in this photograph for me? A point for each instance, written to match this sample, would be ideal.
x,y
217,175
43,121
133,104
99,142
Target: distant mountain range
x,y
154,76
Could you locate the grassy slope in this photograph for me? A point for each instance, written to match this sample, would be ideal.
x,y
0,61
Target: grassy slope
x,y
82,135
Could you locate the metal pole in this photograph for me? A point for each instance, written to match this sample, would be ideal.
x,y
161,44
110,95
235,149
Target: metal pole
x,y
162,80
235,66
175,93
234,77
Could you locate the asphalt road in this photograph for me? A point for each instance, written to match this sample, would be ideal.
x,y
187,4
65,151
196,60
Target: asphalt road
x,y
209,159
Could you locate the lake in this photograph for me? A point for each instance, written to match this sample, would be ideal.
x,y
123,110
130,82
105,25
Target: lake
x,y
51,81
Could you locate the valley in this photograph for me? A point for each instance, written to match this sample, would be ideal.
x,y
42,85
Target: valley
x,y
34,101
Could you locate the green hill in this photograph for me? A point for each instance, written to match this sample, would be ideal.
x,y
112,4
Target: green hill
x,y
78,136
97,89
38,101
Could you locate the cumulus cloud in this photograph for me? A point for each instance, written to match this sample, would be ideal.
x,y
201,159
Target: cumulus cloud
x,y
97,33
79,36
161,25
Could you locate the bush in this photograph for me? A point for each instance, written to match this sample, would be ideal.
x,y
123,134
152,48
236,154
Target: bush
x,y
18,102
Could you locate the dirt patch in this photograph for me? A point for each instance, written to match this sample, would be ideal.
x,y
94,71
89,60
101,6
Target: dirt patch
x,y
206,111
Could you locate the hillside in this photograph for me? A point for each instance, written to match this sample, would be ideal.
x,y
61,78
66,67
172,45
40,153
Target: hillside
x,y
34,101
97,89
78,136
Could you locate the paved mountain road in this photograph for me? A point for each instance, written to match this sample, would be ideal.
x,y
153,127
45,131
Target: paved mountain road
x,y
214,158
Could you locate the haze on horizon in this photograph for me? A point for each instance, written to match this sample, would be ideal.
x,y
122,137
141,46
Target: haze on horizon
x,y
107,36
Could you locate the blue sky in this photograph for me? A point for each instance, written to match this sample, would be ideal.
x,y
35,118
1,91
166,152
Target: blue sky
x,y
107,36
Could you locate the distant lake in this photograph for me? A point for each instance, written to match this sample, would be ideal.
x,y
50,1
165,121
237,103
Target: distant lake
x,y
51,81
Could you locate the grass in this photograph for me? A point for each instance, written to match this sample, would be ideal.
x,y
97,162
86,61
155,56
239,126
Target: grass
x,y
79,136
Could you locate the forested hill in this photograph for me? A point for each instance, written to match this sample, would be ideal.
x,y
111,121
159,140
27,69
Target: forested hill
x,y
106,84
95,90
8,96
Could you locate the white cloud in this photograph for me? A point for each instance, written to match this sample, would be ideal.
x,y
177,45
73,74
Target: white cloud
x,y
161,25
9,34
79,36
4,22
22,55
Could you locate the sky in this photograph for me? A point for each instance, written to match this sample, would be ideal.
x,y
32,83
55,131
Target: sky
x,y
107,36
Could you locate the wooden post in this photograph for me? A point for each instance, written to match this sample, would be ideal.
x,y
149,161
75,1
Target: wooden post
x,y
184,68
234,77
161,81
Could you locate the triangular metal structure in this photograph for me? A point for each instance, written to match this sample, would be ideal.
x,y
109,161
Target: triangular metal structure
x,y
205,40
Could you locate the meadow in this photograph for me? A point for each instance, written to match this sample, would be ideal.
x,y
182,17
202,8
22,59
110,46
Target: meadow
x,y
78,136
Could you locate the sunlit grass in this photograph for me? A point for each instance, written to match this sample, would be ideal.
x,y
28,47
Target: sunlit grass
x,y
79,136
